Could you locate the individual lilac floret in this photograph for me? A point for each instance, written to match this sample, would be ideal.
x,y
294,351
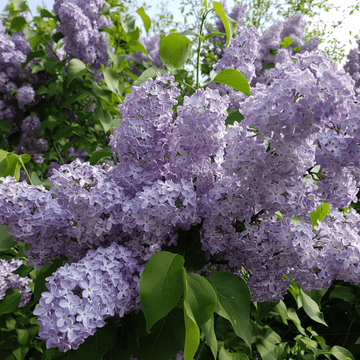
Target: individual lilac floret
x,y
8,280
82,295
241,54
25,95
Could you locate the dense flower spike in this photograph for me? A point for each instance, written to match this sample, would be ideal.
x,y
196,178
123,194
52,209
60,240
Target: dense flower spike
x,y
270,45
29,144
82,295
81,23
352,66
241,53
8,280
142,140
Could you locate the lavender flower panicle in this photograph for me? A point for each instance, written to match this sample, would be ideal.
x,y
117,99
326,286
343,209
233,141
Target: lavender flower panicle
x,y
82,295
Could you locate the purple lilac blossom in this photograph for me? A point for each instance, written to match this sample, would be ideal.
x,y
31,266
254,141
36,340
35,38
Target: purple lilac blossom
x,y
269,41
241,53
307,115
352,66
83,294
25,95
81,23
8,280
29,141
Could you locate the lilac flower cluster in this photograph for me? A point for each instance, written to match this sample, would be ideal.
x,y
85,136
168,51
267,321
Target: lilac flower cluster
x,y
306,117
82,295
29,143
352,66
8,280
13,52
270,43
241,53
80,24
177,170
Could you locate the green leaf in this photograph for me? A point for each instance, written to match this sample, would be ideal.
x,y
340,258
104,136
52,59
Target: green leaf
x,y
286,42
297,48
112,80
104,117
229,27
233,115
189,246
23,270
57,36
311,308
10,302
166,339
189,32
101,93
281,310
31,56
138,46
293,316
227,355
201,297
19,5
270,351
47,14
100,154
174,50
213,34
36,40
341,353
96,346
5,126
117,59
75,69
234,303
210,337
6,241
268,66
151,72
321,211
146,20
17,23
11,166
192,331
22,336
263,310
233,78
342,292
161,286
